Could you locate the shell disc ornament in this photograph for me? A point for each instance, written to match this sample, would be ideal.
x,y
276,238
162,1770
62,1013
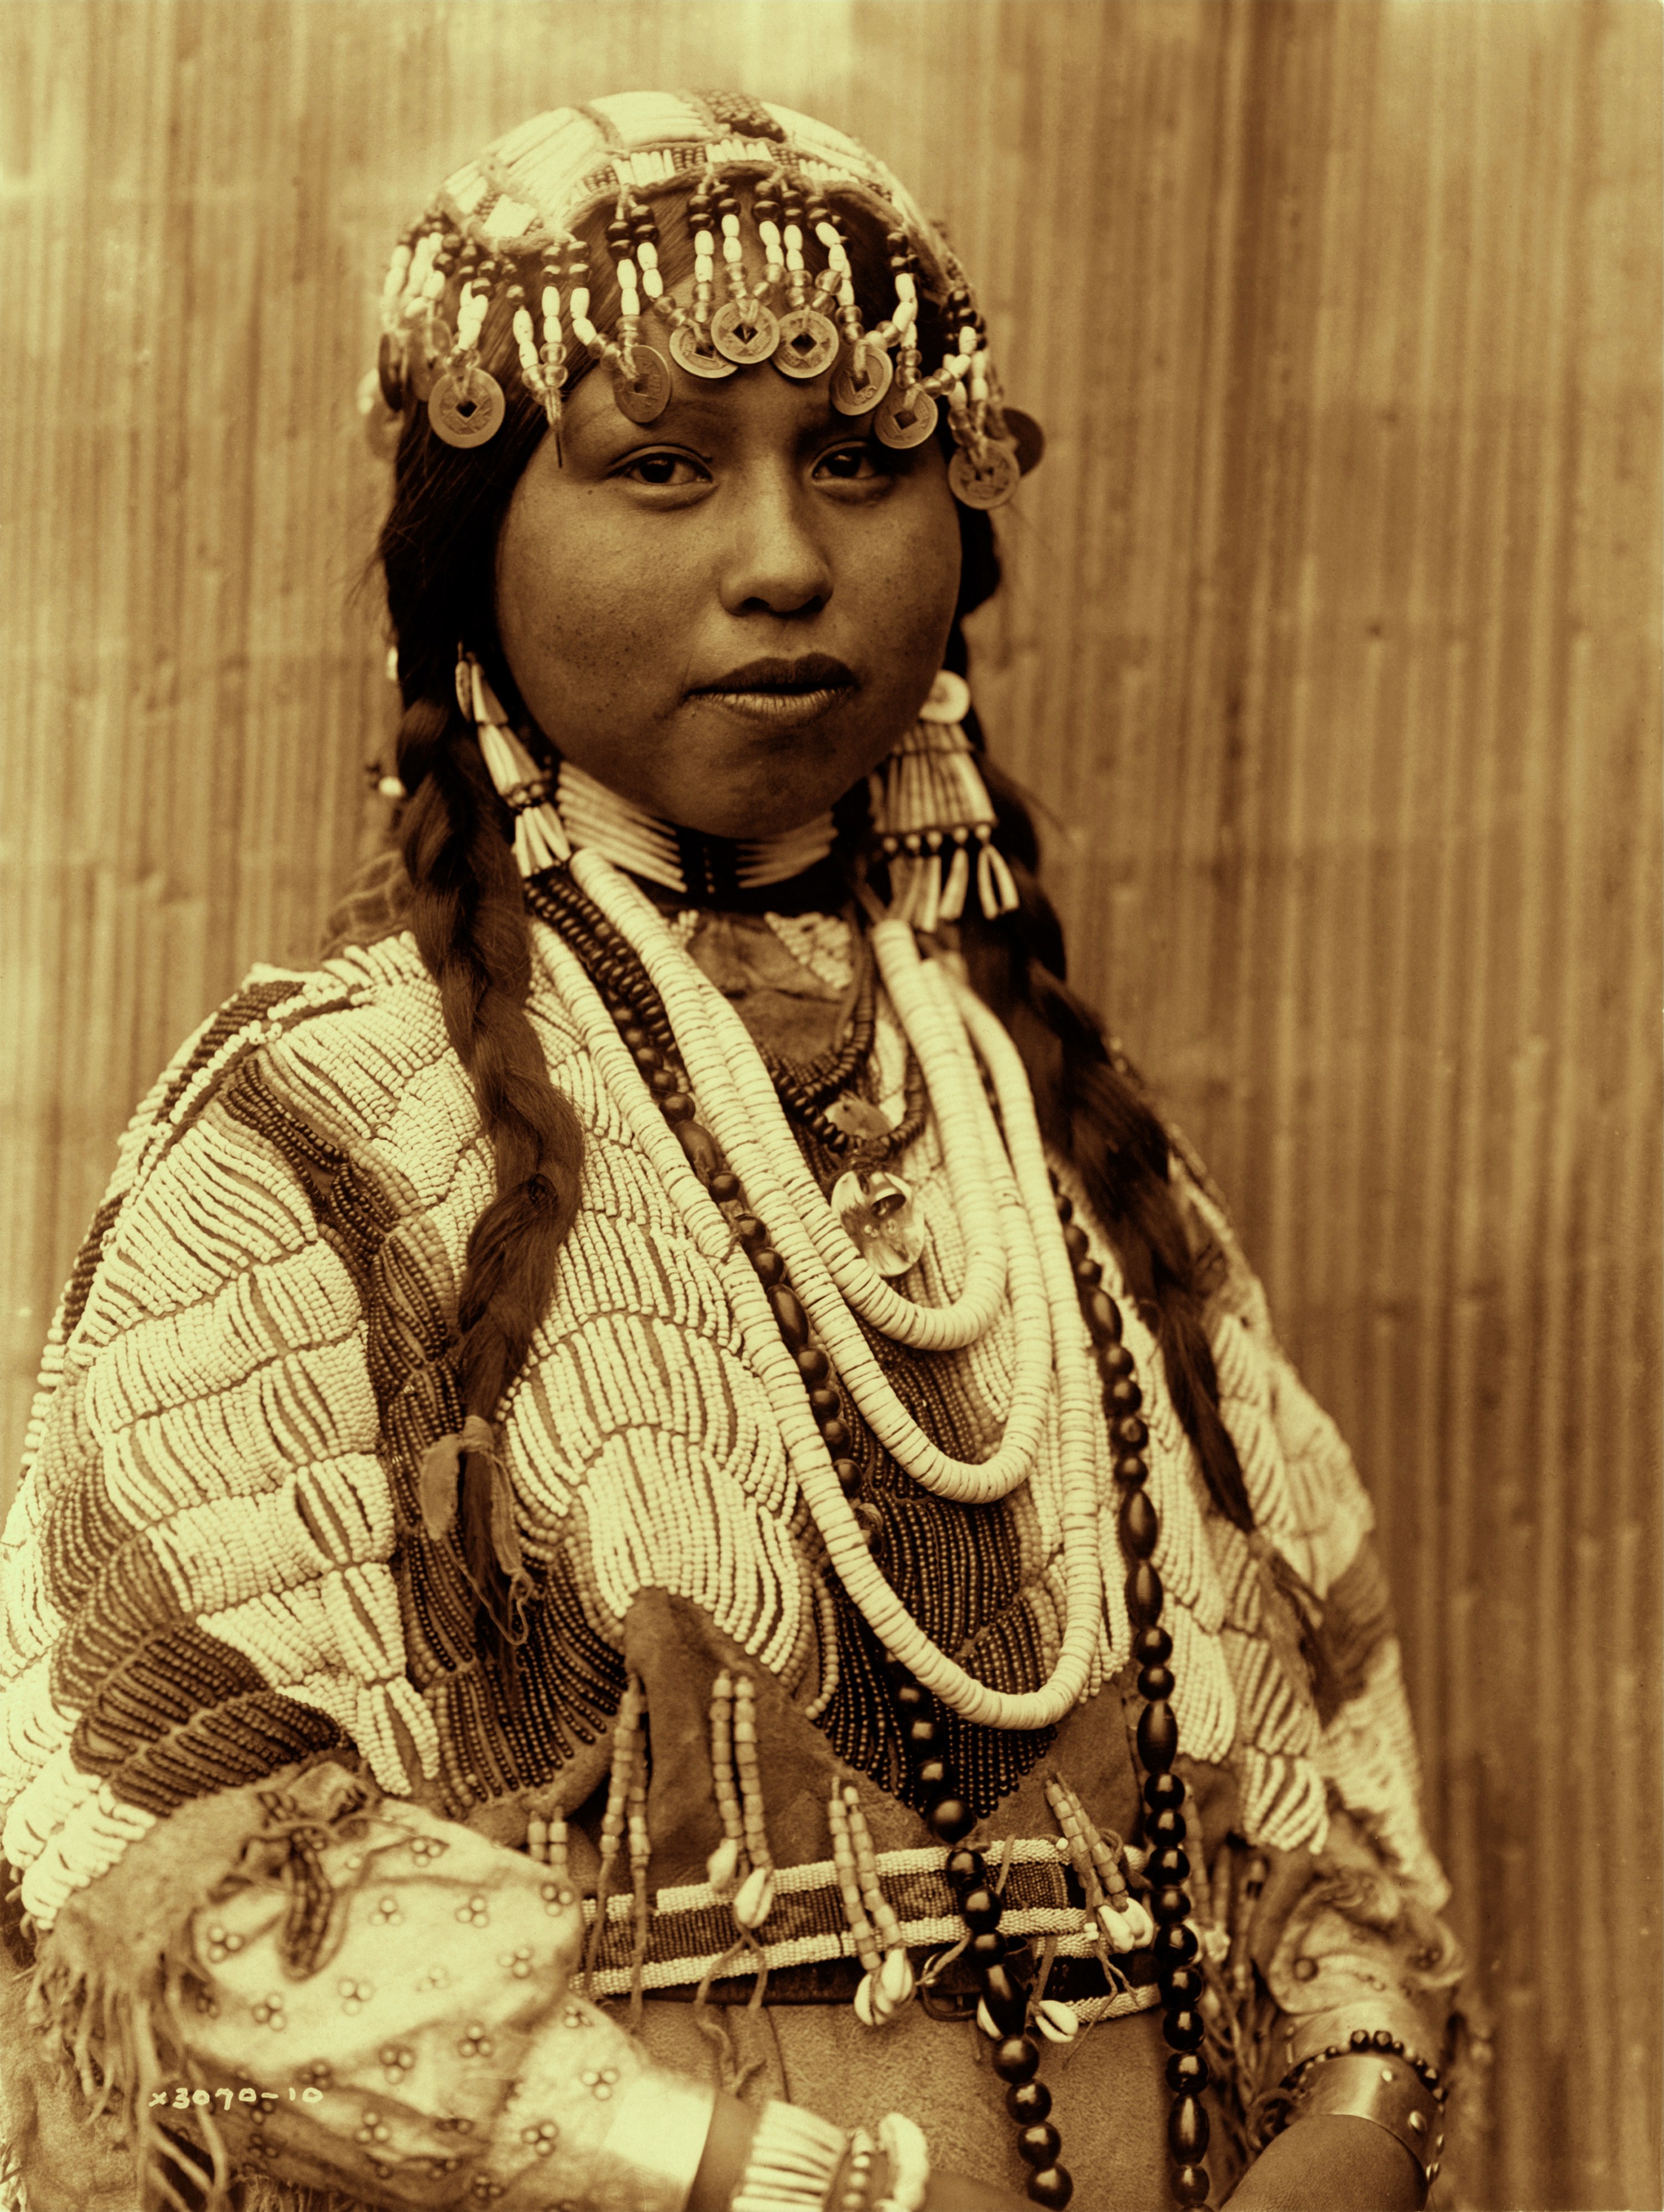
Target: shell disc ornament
x,y
746,333
906,418
949,698
861,383
882,1223
466,410
809,344
642,392
989,483
687,352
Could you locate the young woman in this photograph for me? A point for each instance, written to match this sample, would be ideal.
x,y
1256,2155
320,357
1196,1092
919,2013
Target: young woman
x,y
667,1559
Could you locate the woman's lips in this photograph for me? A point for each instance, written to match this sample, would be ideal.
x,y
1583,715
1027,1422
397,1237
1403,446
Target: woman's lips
x,y
782,693
780,708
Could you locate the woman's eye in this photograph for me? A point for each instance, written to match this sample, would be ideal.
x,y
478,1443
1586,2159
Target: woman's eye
x,y
849,464
660,469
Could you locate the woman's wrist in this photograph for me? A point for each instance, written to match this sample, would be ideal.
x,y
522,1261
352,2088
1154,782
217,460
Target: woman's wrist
x,y
1331,2162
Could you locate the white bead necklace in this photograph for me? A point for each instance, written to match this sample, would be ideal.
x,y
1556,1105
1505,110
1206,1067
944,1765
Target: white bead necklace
x,y
973,1482
738,1104
810,1460
735,1091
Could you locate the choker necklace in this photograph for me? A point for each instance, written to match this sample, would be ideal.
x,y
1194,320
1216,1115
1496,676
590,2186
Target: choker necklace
x,y
713,869
553,816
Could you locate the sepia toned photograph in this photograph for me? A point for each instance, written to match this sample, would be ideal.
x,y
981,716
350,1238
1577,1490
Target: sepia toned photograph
x,y
831,967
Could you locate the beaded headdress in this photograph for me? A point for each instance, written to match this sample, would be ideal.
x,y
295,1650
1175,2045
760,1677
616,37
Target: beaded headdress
x,y
503,244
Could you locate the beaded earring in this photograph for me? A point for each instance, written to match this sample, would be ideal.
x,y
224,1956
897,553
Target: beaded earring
x,y
540,839
931,811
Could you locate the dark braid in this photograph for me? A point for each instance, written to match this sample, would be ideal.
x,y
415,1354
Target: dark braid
x,y
469,920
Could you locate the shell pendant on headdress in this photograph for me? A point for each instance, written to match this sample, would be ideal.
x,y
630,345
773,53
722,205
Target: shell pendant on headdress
x,y
933,819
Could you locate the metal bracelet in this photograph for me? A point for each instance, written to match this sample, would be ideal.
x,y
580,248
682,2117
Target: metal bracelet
x,y
793,2161
1380,2087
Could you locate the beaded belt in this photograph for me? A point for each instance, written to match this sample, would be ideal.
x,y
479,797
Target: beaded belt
x,y
691,1931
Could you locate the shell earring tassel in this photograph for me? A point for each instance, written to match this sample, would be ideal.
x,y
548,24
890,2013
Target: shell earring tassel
x,y
540,838
932,817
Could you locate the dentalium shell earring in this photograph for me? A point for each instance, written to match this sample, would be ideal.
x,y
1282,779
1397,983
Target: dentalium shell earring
x,y
933,817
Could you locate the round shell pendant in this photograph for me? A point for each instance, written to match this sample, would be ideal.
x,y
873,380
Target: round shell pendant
x,y
686,353
644,395
861,383
466,410
907,418
882,1223
991,485
808,343
746,334
949,700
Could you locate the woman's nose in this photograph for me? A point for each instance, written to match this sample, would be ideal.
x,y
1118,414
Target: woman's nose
x,y
777,561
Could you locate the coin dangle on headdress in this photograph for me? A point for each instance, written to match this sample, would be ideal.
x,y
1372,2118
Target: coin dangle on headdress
x,y
906,418
746,332
698,360
861,383
807,344
990,483
466,410
643,391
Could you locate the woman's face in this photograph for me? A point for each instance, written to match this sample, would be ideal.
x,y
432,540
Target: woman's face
x,y
728,614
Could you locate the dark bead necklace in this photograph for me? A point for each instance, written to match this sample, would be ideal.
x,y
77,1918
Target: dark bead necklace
x,y
1002,1969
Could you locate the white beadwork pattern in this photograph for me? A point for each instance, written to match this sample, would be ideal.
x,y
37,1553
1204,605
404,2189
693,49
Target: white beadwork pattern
x,y
217,1379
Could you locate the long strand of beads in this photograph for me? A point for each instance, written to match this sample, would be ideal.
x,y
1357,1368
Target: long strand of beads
x,y
614,1818
861,1931
831,1672
1001,1968
640,1854
774,1330
880,1405
724,1867
693,1008
729,1066
757,1894
877,1999
1168,1866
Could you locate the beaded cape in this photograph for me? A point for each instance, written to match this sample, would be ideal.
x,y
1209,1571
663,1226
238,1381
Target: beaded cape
x,y
215,1565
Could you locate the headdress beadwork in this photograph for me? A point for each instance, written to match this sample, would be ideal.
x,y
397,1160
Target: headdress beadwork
x,y
509,228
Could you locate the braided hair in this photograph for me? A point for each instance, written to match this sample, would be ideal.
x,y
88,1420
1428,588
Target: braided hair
x,y
466,909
